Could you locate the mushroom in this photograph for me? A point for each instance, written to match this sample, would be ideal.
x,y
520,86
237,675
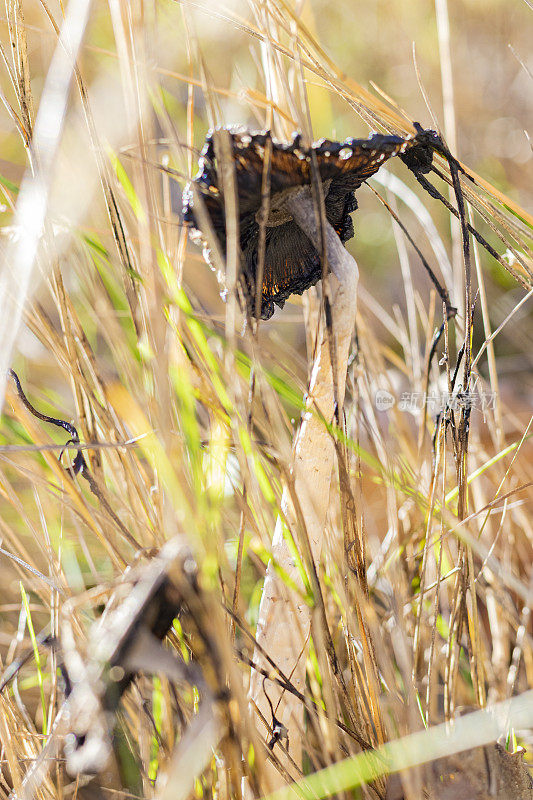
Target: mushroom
x,y
291,256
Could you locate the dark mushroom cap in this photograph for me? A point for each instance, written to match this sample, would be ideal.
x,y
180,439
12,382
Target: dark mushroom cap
x,y
292,264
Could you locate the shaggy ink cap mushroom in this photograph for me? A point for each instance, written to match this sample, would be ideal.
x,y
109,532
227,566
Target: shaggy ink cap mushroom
x,y
419,156
291,264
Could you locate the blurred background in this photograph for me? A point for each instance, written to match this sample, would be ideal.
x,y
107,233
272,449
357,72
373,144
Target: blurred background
x,y
378,44
108,341
160,111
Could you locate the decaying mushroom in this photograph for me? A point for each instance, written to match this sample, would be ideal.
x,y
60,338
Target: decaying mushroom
x,y
291,254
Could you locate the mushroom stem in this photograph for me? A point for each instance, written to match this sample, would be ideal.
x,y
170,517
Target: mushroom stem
x,y
303,210
284,622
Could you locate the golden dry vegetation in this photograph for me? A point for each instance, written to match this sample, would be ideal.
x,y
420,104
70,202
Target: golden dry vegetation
x,y
115,323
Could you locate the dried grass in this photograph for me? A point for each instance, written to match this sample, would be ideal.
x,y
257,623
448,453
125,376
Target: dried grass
x,y
189,424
